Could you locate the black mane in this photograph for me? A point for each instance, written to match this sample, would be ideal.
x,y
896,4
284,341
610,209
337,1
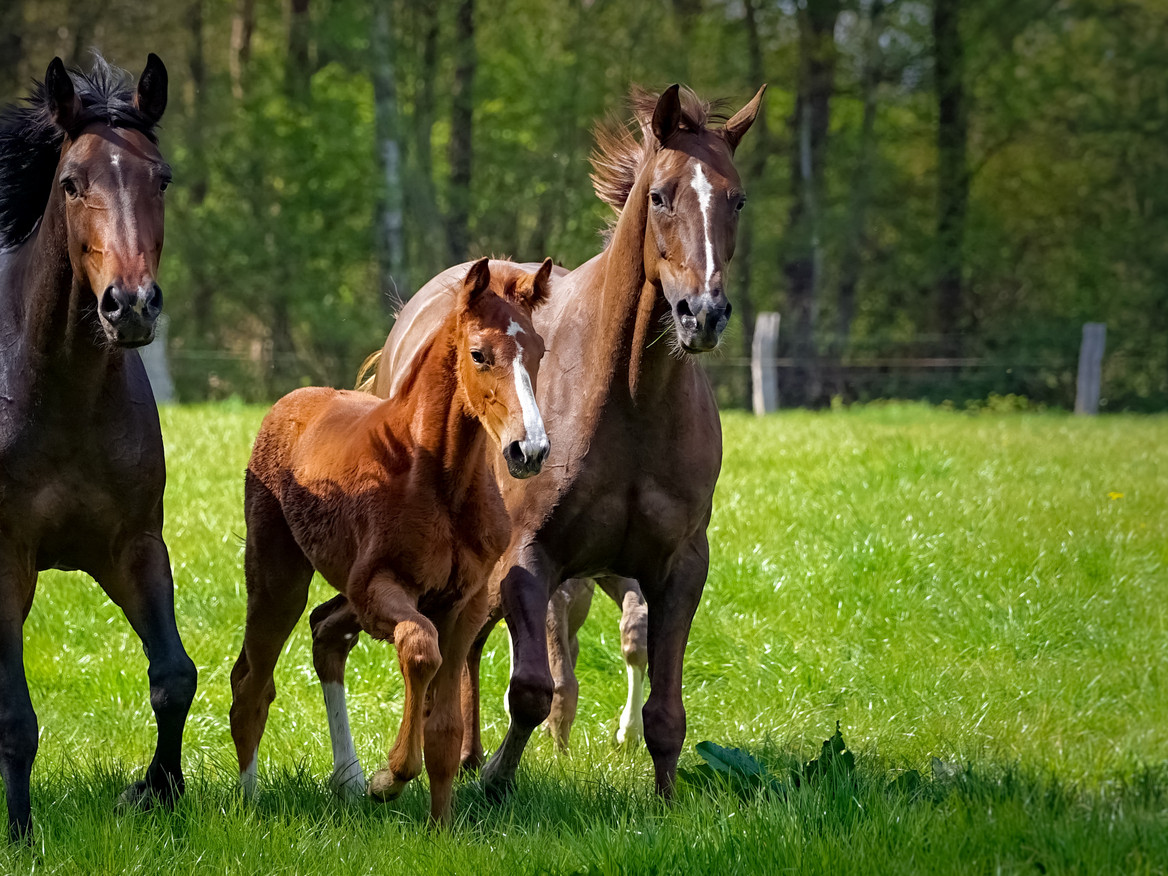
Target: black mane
x,y
30,142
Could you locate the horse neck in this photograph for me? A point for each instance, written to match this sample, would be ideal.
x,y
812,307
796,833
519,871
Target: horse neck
x,y
641,365
432,406
48,317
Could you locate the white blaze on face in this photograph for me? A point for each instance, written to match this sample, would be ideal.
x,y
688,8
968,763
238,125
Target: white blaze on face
x,y
532,421
705,193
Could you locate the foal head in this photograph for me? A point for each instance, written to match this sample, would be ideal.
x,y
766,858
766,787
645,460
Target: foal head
x,y
498,358
112,177
685,173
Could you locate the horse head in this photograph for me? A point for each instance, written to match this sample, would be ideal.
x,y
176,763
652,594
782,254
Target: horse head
x,y
683,172
112,177
498,353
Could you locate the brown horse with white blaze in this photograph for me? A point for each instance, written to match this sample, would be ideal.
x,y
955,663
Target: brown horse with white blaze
x,y
395,503
81,230
636,440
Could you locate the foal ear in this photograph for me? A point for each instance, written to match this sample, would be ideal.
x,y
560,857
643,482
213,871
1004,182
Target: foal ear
x,y
741,121
667,114
478,278
150,98
64,104
536,288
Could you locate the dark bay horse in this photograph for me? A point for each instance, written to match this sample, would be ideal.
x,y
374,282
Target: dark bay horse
x,y
81,222
395,503
636,440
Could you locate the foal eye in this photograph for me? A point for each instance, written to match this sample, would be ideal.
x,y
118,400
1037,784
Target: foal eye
x,y
741,203
477,357
70,186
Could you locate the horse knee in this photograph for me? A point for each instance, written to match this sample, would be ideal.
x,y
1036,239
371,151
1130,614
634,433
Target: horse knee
x,y
664,728
417,649
172,685
530,700
18,742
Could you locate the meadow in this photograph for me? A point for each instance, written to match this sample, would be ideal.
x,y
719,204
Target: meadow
x,y
979,601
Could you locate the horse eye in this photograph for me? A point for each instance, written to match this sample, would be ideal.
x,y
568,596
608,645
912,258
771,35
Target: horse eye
x,y
70,186
656,198
477,357
741,203
164,185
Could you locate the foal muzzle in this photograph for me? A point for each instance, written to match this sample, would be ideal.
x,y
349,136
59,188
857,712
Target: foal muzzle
x,y
525,458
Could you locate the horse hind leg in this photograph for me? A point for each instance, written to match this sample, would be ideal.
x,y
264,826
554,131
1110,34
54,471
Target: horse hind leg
x,y
18,720
278,574
334,634
634,630
567,611
140,583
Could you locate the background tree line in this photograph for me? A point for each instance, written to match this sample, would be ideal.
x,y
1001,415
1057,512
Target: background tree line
x,y
931,179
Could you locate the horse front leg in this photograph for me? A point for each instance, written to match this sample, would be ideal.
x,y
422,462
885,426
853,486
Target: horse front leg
x,y
334,634
18,720
140,583
672,603
391,613
524,591
567,611
444,726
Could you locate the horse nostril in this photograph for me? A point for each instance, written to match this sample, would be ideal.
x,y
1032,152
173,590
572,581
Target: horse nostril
x,y
109,303
683,308
513,453
155,301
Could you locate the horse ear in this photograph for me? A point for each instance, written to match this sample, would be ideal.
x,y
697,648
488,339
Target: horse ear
x,y
741,121
64,104
538,288
477,279
150,99
667,114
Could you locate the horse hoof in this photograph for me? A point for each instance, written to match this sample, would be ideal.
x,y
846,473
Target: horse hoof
x,y
629,738
348,788
137,797
385,786
496,786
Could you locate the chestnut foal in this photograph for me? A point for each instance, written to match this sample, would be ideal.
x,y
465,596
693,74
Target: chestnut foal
x,y
395,503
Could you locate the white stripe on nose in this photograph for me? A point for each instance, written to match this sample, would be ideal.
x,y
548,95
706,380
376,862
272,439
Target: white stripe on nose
x,y
535,438
705,191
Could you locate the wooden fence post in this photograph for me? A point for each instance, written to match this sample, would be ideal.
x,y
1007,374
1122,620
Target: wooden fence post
x,y
1090,368
764,376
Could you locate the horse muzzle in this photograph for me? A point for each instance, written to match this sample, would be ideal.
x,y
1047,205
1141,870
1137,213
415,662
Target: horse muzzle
x,y
128,316
700,320
525,458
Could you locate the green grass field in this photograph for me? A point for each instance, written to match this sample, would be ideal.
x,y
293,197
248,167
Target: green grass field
x,y
988,591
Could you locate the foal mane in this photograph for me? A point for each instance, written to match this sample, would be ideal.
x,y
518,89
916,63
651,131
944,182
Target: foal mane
x,y
619,155
30,142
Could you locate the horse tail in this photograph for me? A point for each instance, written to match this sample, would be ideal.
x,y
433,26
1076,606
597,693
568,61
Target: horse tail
x,y
367,374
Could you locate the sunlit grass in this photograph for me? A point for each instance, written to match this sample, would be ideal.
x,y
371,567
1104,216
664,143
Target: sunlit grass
x,y
986,590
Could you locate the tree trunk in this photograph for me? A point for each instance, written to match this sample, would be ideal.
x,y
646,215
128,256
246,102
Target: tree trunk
x,y
395,284
804,253
11,50
461,133
242,28
298,69
952,170
753,166
202,287
861,186
425,229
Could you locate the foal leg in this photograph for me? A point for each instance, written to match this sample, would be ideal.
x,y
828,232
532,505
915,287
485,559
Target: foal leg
x,y
567,611
634,630
444,726
472,738
672,604
393,613
18,720
140,583
334,633
524,591
278,575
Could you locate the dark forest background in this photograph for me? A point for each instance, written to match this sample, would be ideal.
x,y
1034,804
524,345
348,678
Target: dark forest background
x,y
941,193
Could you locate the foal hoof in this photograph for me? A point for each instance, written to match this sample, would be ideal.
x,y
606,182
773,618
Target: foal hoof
x,y
385,786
